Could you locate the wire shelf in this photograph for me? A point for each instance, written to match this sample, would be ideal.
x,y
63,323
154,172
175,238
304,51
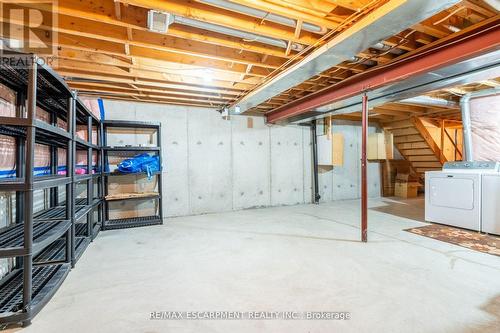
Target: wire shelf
x,y
133,222
57,250
45,280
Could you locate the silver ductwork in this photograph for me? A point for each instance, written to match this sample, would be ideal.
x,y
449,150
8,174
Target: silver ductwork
x,y
493,3
467,130
381,46
264,15
392,18
484,67
466,121
249,37
430,101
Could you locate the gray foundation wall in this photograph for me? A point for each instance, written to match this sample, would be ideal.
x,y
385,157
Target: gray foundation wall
x,y
215,165
343,183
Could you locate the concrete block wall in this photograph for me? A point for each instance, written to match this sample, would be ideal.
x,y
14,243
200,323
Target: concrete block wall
x,y
214,165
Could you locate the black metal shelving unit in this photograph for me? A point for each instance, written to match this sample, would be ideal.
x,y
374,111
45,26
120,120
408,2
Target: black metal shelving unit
x,y
86,207
27,288
45,245
139,221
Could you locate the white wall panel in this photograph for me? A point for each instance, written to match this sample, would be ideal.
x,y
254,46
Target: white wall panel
x,y
307,164
325,183
373,182
346,177
121,110
213,165
251,163
287,179
174,154
374,190
209,158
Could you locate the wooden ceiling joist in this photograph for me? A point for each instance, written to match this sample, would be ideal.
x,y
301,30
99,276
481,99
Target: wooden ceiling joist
x,y
136,20
70,28
75,59
74,66
105,46
114,73
268,6
204,13
183,99
120,87
150,100
93,45
74,76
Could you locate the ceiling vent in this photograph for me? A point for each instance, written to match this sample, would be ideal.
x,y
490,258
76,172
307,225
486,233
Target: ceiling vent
x,y
159,21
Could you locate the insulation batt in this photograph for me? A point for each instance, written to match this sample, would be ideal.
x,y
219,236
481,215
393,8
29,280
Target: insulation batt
x,y
7,102
8,144
81,132
485,123
42,153
92,105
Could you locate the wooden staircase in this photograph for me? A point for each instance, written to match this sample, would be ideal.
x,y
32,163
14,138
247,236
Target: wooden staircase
x,y
417,146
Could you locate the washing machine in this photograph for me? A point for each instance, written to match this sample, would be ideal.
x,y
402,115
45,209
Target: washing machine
x,y
490,205
453,196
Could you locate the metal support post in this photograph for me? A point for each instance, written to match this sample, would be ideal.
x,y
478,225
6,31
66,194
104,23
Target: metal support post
x,y
364,170
314,140
28,194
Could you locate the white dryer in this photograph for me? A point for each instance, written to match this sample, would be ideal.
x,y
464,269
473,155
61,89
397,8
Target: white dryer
x,y
453,195
490,205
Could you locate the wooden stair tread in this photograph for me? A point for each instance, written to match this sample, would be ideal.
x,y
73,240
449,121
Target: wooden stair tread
x,y
420,152
422,158
416,144
398,124
404,131
411,145
423,170
408,139
427,164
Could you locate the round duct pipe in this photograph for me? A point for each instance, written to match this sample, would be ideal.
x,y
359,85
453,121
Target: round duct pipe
x,y
431,101
247,36
261,14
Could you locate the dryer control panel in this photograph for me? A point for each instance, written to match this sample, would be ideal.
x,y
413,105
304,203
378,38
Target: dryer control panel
x,y
475,165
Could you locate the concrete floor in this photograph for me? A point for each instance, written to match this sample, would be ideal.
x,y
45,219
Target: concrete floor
x,y
300,258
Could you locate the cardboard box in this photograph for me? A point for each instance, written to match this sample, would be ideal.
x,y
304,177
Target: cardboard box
x,y
135,208
132,183
131,136
406,190
389,169
405,186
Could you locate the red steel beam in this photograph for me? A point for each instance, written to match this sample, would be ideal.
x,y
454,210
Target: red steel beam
x,y
364,170
470,43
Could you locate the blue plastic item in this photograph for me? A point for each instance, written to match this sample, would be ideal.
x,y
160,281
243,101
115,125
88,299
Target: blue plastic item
x,y
146,163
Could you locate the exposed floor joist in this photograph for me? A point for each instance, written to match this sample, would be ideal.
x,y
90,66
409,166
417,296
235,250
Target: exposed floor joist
x,y
113,36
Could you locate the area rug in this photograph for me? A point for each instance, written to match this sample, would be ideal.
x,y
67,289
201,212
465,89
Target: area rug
x,y
465,238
